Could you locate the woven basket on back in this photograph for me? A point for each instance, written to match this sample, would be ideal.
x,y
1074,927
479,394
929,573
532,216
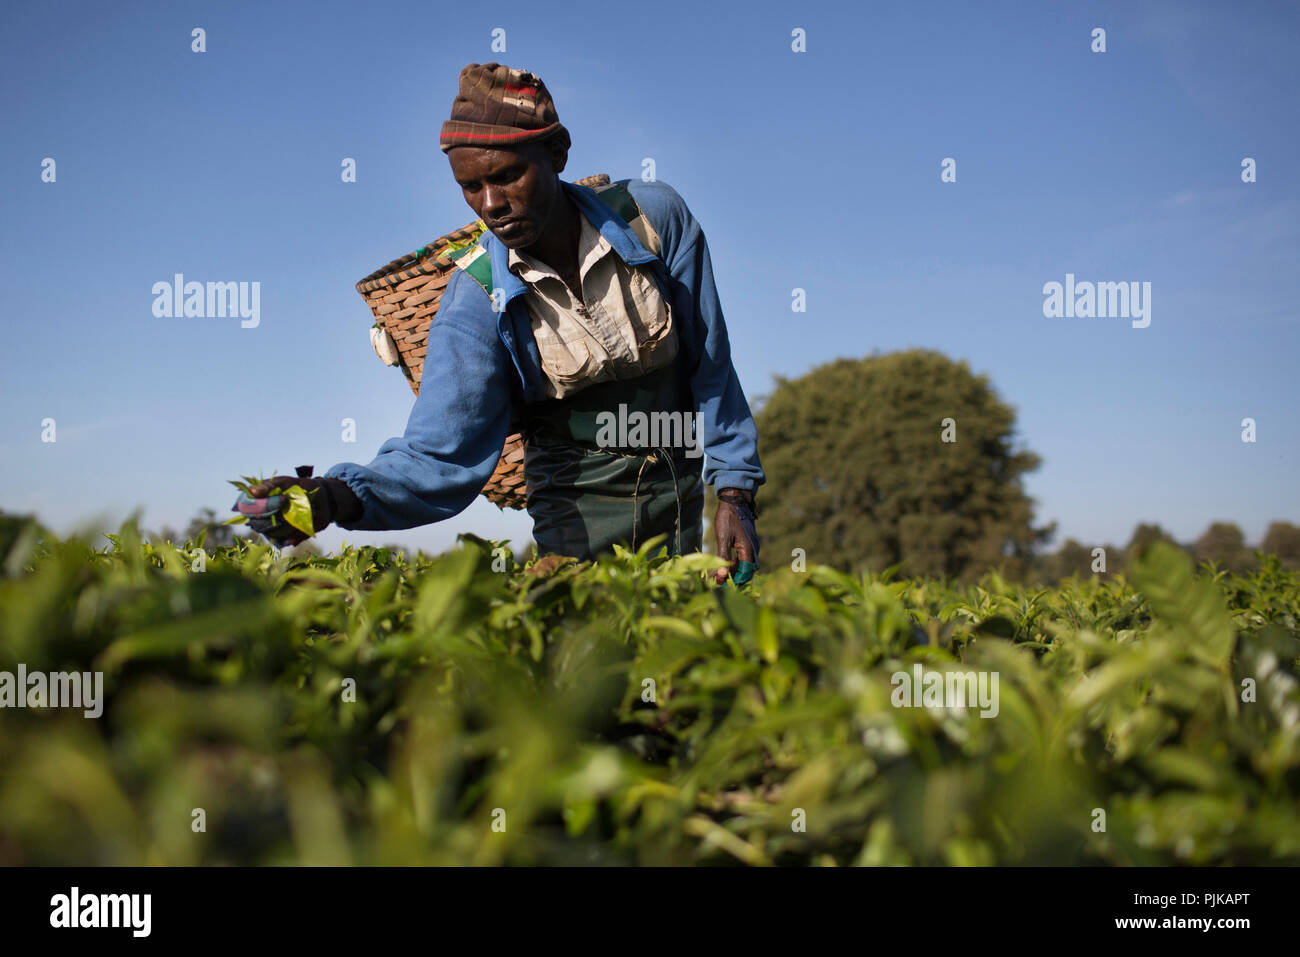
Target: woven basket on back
x,y
404,296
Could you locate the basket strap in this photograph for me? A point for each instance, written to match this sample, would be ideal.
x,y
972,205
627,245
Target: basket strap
x,y
617,198
476,261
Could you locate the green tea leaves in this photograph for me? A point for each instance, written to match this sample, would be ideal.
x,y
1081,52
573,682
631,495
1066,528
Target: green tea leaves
x,y
377,708
298,514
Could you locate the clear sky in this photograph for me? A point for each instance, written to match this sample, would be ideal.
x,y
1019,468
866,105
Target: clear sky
x,y
819,170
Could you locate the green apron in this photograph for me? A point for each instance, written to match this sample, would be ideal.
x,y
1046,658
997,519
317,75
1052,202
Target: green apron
x,y
583,498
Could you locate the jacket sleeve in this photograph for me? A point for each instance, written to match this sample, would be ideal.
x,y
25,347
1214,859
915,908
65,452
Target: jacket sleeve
x,y
453,437
730,438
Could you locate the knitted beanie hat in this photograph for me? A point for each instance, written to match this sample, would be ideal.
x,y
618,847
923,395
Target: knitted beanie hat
x,y
501,108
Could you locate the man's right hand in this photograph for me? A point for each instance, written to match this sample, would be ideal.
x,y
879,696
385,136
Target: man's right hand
x,y
331,500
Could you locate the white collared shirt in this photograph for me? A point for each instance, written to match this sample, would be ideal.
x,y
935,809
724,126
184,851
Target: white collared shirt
x,y
621,328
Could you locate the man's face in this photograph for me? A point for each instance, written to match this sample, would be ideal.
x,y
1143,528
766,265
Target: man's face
x,y
513,191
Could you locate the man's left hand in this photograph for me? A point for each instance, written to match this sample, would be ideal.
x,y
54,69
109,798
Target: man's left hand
x,y
733,528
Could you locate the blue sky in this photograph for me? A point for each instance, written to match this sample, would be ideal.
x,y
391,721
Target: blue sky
x,y
817,170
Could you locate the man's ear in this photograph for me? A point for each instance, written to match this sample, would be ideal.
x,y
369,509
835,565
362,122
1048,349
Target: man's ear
x,y
559,154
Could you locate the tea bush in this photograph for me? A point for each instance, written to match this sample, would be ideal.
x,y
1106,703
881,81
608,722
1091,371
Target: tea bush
x,y
370,708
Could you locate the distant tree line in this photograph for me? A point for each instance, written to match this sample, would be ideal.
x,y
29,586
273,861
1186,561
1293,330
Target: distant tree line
x,y
909,460
1223,544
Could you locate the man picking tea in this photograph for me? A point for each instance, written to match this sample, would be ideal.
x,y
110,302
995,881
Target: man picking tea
x,y
587,320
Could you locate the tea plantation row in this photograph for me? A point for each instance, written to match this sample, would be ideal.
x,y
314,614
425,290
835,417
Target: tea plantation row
x,y
367,709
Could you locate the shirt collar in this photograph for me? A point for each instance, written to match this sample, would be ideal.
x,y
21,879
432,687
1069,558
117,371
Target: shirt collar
x,y
622,239
592,247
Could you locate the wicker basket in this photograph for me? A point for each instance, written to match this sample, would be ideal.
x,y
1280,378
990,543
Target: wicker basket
x,y
404,296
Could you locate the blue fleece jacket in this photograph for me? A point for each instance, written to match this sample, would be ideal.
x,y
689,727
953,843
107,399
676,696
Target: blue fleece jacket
x,y
481,364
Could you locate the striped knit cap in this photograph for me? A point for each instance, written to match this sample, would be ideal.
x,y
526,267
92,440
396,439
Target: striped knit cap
x,y
501,108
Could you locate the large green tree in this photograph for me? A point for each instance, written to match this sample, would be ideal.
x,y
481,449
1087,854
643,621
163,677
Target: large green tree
x,y
865,471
